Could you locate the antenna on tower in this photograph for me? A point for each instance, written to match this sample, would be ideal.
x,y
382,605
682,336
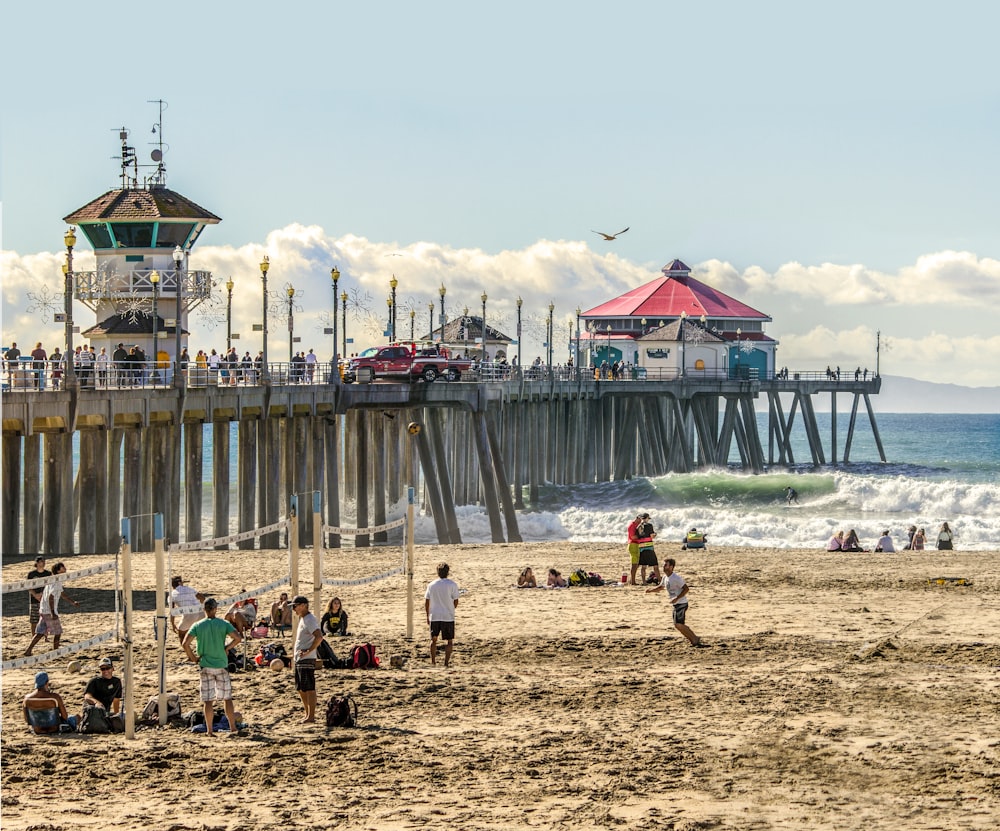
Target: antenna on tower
x,y
159,178
128,158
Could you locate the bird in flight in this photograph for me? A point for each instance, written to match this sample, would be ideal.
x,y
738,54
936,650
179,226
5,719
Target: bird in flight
x,y
610,237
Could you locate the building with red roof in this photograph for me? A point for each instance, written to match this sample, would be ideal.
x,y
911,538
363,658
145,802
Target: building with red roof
x,y
678,326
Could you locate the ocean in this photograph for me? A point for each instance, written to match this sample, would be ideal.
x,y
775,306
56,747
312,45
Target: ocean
x,y
939,468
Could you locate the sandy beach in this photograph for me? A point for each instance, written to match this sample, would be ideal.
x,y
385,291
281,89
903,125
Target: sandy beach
x,y
838,691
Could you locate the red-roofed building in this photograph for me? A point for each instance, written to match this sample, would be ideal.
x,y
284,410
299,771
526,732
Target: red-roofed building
x,y
679,325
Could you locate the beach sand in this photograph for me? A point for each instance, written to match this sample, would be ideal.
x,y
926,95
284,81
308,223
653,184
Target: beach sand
x,y
838,691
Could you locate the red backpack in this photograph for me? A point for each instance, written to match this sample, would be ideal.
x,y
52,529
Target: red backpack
x,y
362,657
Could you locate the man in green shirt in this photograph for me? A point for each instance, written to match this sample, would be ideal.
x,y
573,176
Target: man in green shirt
x,y
211,635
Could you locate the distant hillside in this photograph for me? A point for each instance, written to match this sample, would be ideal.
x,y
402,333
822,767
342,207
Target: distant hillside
x,y
908,395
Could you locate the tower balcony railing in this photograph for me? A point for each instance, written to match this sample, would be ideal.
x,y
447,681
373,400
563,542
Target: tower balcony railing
x,y
92,287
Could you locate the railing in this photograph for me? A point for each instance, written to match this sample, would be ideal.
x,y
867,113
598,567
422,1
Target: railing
x,y
27,374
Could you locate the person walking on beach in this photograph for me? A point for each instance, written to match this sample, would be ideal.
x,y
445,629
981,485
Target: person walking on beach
x,y
50,624
35,595
307,637
677,589
440,602
211,635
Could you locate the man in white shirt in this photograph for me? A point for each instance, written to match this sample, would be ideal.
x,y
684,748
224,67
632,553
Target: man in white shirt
x,y
675,586
307,637
184,597
440,602
885,543
310,366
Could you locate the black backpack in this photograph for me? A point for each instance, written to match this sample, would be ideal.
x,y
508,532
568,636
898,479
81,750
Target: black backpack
x,y
341,711
94,720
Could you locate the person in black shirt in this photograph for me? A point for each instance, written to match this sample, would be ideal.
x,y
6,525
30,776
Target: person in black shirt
x,y
35,595
105,691
334,621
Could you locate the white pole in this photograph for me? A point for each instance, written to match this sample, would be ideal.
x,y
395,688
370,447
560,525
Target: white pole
x,y
127,615
410,499
160,629
293,545
317,550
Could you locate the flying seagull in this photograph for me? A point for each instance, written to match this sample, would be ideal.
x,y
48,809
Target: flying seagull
x,y
610,237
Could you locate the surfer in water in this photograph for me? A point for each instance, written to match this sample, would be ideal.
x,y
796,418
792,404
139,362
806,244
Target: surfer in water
x,y
791,495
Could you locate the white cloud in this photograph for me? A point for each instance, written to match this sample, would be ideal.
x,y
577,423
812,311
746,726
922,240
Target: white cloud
x,y
825,314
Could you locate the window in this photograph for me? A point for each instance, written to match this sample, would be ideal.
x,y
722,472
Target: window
x,y
98,235
171,234
699,364
133,234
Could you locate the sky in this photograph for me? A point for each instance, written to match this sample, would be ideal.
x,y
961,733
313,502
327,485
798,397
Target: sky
x,y
834,166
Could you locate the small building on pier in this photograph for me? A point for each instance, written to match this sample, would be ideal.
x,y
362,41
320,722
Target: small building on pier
x,y
678,326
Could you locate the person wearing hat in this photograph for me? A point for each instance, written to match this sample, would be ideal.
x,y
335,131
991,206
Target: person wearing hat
x,y
44,710
49,623
105,691
215,637
184,597
307,637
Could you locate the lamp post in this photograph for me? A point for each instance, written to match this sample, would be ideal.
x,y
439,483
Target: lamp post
x,y
334,363
442,291
609,347
69,238
178,257
390,327
413,323
552,307
519,345
392,307
681,333
483,328
576,357
430,320
229,314
465,332
343,303
291,324
265,372
642,323
154,278
738,333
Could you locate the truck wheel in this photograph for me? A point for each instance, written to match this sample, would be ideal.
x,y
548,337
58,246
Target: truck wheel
x,y
429,374
453,374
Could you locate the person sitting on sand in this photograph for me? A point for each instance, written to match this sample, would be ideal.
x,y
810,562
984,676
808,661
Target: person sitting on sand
x,y
281,613
334,620
919,539
526,579
242,614
836,542
851,542
44,710
556,580
694,539
885,543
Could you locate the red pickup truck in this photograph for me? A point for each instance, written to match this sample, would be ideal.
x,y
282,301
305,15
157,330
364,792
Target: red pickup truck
x,y
406,361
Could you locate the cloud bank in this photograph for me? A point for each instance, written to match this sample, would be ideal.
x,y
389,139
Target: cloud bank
x,y
822,314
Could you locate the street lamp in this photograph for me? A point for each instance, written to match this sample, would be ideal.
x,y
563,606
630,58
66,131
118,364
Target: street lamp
x,y
343,302
519,345
413,322
335,364
390,329
483,328
69,238
642,323
738,333
576,358
464,331
291,324
609,347
392,307
552,307
683,321
442,291
229,314
265,372
430,319
178,257
154,278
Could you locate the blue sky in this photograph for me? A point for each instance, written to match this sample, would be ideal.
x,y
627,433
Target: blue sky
x,y
834,166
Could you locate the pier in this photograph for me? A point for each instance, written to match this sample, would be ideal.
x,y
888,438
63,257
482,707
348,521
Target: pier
x,y
493,443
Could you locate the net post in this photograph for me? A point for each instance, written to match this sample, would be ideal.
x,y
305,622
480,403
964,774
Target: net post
x,y
317,549
129,669
410,500
160,628
293,544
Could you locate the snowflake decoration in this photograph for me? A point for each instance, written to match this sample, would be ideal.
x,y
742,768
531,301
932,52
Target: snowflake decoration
x,y
45,302
746,347
133,307
697,335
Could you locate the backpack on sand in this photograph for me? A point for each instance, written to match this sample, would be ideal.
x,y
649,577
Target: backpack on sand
x,y
94,720
362,657
341,711
579,578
